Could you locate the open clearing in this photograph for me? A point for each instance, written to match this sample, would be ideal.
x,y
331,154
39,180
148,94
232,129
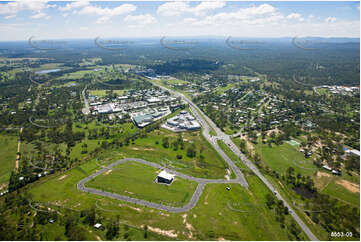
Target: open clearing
x,y
136,180
8,149
211,218
352,187
210,166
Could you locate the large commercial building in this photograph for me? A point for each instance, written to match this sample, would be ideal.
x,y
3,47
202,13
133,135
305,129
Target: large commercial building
x,y
184,121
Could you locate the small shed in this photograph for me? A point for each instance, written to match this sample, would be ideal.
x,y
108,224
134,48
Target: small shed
x,y
165,177
97,225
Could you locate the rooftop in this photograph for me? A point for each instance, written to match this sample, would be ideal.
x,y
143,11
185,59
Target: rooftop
x,y
166,175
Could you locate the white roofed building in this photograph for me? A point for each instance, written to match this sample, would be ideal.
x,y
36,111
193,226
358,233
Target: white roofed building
x,y
165,177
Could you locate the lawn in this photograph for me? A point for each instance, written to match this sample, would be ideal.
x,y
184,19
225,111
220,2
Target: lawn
x,y
281,157
8,150
102,93
216,215
151,148
335,190
137,180
76,74
238,214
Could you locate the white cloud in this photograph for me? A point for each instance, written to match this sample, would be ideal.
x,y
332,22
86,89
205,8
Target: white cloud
x,y
12,8
10,16
122,9
264,13
74,5
106,13
294,16
189,20
40,15
140,19
330,19
178,8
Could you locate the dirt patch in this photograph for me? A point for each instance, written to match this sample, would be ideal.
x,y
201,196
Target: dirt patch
x,y
228,175
352,187
108,172
76,205
96,236
62,177
323,174
2,186
189,227
164,214
169,233
129,192
205,200
221,239
146,149
309,220
136,209
276,131
184,218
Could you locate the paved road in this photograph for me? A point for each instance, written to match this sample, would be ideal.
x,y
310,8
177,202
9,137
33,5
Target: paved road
x,y
192,203
221,135
207,124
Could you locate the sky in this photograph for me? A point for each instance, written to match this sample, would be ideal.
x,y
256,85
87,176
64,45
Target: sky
x,y
19,20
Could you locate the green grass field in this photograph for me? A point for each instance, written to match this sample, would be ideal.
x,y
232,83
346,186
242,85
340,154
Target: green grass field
x,y
238,214
102,93
216,216
281,157
8,149
212,166
335,190
136,180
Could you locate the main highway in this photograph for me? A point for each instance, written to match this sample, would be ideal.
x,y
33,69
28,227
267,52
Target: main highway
x,y
207,125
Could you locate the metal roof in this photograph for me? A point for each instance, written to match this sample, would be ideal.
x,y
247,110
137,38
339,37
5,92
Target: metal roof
x,y
166,175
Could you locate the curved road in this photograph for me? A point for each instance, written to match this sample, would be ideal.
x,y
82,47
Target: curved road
x,y
221,135
192,203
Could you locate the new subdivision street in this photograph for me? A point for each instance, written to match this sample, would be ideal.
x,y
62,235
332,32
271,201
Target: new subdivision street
x,y
192,203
